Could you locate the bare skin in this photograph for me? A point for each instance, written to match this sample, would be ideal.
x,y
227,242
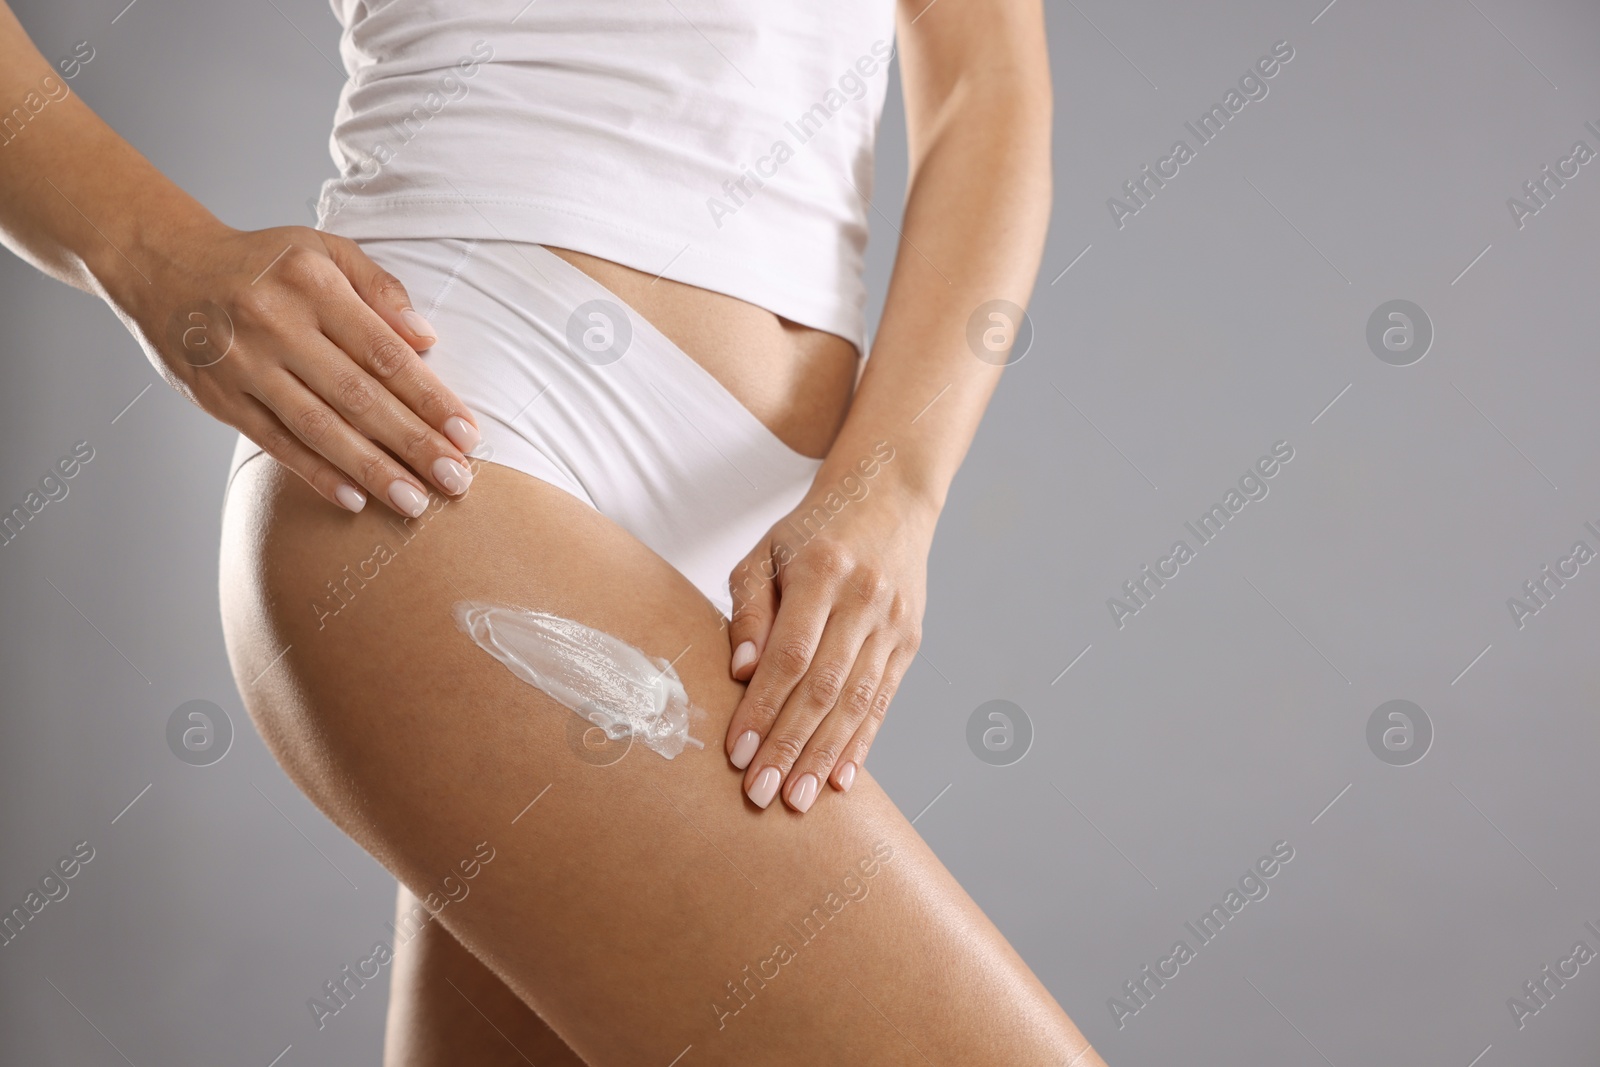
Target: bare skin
x,y
621,904
619,909
796,380
444,1005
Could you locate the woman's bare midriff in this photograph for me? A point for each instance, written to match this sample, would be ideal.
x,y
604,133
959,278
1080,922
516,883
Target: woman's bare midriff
x,y
797,380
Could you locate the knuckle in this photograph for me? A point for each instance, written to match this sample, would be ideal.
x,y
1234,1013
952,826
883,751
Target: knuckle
x,y
764,708
899,608
792,657
386,286
255,305
310,272
856,751
880,705
386,356
278,443
871,583
745,615
825,683
301,266
374,471
355,392
417,443
907,621
785,748
857,701
824,754
828,558
314,424
429,403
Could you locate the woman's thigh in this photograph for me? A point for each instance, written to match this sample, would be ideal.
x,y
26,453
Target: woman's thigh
x,y
640,906
447,1008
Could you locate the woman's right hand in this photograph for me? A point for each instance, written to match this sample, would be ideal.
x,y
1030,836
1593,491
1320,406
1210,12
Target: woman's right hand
x,y
297,339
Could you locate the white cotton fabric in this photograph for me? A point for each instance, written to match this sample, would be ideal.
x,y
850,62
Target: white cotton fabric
x,y
726,144
631,424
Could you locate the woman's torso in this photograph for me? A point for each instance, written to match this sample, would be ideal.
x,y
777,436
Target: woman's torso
x,y
797,380
708,161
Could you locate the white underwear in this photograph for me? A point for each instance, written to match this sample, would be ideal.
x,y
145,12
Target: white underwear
x,y
574,387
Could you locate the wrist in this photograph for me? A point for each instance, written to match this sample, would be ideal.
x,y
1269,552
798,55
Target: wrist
x,y
879,468
129,262
916,491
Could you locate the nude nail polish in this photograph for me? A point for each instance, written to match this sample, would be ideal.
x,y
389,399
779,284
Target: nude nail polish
x,y
804,792
847,777
350,498
453,476
744,749
419,325
765,788
743,656
462,433
406,499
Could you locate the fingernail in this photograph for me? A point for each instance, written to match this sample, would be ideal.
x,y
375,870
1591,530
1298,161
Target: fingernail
x,y
744,749
453,476
766,787
350,498
418,325
804,792
405,497
462,433
743,656
847,777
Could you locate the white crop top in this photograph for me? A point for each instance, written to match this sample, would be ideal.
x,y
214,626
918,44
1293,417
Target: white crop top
x,y
727,144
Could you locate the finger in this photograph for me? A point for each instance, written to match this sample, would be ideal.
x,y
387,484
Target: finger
x,y
381,291
795,633
386,343
840,722
364,403
259,424
322,430
855,752
754,587
807,704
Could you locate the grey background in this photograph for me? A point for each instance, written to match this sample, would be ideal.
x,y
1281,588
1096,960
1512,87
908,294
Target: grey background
x,y
1225,717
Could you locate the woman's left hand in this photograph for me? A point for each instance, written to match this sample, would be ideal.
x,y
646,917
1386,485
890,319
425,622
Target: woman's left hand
x,y
827,615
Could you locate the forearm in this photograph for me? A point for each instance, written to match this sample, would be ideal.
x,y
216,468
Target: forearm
x,y
827,638
76,200
974,228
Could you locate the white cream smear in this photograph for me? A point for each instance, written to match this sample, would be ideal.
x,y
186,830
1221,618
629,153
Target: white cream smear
x,y
605,680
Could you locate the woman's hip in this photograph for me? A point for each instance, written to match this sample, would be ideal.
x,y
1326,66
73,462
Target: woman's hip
x,y
573,386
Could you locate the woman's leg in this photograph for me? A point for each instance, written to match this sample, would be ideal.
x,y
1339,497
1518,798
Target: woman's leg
x,y
641,907
447,1008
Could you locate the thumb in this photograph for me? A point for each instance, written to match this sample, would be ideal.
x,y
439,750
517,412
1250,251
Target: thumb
x,y
381,291
754,585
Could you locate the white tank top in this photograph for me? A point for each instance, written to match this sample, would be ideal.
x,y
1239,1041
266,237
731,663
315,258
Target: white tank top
x,y
727,144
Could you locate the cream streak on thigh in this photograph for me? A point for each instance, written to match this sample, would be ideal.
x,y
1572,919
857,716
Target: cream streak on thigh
x,y
605,680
